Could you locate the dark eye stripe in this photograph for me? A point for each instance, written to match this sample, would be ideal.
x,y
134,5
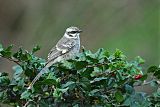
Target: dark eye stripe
x,y
72,32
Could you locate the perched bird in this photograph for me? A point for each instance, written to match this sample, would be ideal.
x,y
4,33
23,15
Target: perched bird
x,y
67,47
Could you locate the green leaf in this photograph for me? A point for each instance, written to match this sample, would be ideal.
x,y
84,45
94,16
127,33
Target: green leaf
x,y
3,74
127,102
51,76
118,53
67,65
98,69
64,90
86,72
154,84
36,48
129,89
31,105
84,83
152,69
76,105
155,70
138,99
25,56
144,77
25,95
88,53
101,53
90,57
119,96
21,82
18,71
48,82
139,60
4,79
15,88
100,79
9,48
43,103
57,93
111,82
69,84
1,47
6,54
3,96
80,64
93,92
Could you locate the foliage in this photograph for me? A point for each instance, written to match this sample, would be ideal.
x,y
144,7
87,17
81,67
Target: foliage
x,y
89,79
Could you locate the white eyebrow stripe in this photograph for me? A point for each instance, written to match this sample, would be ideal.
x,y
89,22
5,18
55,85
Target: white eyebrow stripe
x,y
67,36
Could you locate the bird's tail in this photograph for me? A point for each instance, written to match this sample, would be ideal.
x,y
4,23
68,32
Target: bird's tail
x,y
45,69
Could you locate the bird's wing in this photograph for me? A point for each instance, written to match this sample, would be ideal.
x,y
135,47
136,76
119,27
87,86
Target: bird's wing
x,y
65,44
54,53
62,47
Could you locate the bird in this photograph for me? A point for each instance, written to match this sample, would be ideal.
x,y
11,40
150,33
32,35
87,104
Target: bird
x,y
66,48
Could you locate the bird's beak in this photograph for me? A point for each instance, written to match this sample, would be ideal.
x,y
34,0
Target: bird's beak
x,y
80,31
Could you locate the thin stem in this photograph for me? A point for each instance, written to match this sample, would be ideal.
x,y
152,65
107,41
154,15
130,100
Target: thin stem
x,y
95,65
10,59
27,103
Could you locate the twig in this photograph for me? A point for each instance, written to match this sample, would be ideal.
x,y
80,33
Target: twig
x,y
95,65
26,104
10,59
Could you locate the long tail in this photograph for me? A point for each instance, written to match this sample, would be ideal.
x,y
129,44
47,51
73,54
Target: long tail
x,y
37,77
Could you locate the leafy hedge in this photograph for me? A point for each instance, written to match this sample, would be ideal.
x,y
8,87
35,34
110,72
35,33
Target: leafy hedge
x,y
90,79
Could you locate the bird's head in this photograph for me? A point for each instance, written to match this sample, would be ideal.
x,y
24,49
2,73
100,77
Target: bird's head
x,y
72,32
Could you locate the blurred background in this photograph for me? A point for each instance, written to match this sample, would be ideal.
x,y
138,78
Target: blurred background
x,y
129,25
